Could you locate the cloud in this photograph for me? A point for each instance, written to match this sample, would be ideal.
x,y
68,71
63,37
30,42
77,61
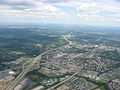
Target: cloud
x,y
28,2
92,17
54,1
17,2
117,20
96,10
37,9
115,15
89,11
75,10
90,8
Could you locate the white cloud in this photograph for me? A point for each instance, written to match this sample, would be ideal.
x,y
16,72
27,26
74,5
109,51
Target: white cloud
x,y
90,8
115,15
98,11
54,1
85,10
90,17
39,9
89,11
118,20
43,7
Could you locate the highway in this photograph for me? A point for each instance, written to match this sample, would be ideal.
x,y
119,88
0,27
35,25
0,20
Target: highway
x,y
12,85
52,88
16,81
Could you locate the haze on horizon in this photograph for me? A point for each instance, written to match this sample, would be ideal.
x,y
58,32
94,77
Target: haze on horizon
x,y
87,12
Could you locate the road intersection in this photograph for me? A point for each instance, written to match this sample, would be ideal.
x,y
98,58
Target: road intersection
x,y
26,69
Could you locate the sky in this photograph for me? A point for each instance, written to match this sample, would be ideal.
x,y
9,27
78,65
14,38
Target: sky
x,y
85,12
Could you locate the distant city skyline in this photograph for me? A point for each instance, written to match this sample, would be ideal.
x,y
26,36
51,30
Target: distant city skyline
x,y
85,12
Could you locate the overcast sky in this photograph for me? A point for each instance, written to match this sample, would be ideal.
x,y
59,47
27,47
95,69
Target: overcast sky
x,y
89,12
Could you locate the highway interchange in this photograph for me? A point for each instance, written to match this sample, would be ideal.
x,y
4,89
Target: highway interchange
x,y
26,69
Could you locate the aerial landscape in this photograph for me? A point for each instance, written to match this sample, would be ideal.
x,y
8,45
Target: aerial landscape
x,y
45,48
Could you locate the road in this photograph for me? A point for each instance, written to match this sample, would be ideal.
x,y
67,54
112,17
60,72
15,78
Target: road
x,y
52,88
16,81
12,85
